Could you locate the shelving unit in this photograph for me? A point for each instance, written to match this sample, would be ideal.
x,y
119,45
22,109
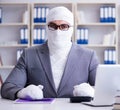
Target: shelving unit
x,y
88,17
13,20
42,25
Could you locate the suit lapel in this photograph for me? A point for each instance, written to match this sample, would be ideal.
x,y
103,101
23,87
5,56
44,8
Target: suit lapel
x,y
45,60
70,67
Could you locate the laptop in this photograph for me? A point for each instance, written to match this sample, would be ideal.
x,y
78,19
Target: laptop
x,y
106,85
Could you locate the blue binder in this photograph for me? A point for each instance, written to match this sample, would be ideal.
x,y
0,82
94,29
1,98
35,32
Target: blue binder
x,y
36,20
0,15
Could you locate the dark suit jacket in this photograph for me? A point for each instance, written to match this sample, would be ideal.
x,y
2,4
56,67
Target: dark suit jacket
x,y
34,67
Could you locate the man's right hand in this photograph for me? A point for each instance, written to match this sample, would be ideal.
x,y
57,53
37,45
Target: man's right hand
x,y
31,92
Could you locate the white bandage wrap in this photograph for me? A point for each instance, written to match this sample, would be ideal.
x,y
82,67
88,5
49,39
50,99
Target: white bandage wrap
x,y
60,13
83,89
31,92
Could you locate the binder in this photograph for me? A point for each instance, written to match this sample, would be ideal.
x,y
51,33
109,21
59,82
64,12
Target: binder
x,y
22,34
39,13
110,18
106,14
113,14
78,36
35,36
85,36
114,57
43,35
36,15
43,15
39,36
106,55
82,36
25,17
26,36
102,16
110,56
0,15
46,12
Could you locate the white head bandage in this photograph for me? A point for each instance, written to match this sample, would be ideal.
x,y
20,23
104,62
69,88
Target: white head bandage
x,y
60,13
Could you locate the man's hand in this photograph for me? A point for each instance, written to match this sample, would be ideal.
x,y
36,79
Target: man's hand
x,y
83,89
31,92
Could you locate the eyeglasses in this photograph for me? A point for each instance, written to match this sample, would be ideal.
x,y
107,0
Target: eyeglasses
x,y
63,27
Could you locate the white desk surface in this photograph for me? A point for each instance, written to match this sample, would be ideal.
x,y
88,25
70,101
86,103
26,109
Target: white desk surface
x,y
59,104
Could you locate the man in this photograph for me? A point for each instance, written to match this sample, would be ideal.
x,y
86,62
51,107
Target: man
x,y
55,69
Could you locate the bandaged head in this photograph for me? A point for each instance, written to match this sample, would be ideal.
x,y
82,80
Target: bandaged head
x,y
58,39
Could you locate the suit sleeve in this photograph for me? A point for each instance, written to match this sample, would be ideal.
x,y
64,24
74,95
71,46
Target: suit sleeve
x,y
92,68
16,80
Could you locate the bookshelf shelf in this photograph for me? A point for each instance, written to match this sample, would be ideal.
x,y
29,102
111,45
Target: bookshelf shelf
x,y
7,67
13,20
100,46
15,16
39,26
97,34
13,24
98,24
13,45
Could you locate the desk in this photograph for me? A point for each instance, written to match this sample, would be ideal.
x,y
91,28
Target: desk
x,y
59,104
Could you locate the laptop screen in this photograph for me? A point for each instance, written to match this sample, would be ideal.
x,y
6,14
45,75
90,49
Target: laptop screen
x,y
107,83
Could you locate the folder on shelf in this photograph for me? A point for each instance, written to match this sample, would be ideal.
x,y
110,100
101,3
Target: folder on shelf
x,y
102,16
113,57
47,9
1,81
43,14
80,15
113,14
1,61
35,36
39,13
36,15
43,35
109,56
110,18
26,17
24,36
85,36
82,35
107,14
39,36
109,39
0,15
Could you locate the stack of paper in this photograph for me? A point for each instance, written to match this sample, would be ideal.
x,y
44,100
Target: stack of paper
x,y
116,105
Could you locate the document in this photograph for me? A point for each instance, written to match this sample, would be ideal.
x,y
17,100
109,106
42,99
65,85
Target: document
x,y
42,101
